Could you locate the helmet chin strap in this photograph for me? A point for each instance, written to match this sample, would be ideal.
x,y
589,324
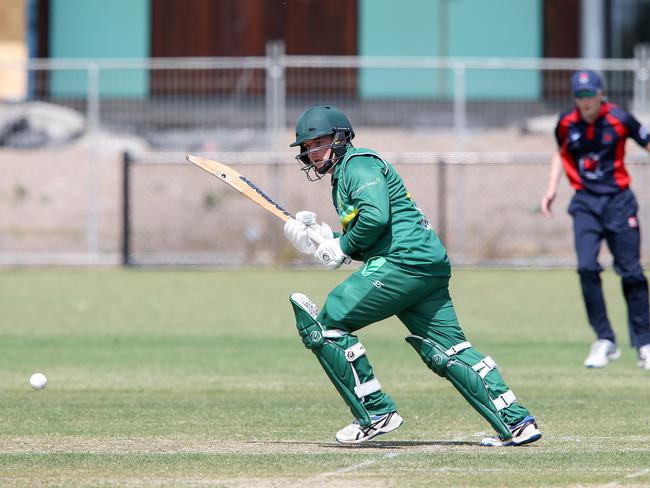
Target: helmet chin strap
x,y
328,162
332,156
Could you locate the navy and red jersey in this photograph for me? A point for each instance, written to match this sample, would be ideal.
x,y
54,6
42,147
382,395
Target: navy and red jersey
x,y
593,154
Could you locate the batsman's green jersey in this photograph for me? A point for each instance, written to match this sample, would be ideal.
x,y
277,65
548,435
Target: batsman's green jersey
x,y
379,217
405,273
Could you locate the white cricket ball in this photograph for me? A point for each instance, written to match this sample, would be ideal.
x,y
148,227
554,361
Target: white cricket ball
x,y
38,381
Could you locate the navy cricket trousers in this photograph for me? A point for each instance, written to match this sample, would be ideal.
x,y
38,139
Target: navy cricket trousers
x,y
612,218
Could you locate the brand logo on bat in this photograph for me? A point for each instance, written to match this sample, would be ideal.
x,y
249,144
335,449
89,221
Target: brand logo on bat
x,y
264,195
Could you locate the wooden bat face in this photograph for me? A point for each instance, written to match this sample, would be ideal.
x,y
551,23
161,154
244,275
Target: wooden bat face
x,y
241,184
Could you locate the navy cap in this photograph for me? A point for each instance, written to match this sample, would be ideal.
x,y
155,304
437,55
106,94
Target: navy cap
x,y
586,80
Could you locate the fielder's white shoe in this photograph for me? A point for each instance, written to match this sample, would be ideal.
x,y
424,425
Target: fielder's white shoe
x,y
523,432
601,353
644,357
380,424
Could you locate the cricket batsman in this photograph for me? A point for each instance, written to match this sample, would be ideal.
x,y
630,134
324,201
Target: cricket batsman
x,y
405,272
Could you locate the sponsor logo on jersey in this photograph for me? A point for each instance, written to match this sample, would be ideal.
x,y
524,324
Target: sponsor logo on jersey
x,y
589,164
574,136
633,222
607,138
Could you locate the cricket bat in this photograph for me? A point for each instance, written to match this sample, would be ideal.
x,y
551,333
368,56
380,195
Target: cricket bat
x,y
241,184
247,188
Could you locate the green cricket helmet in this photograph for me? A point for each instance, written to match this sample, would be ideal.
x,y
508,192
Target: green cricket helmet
x,y
319,121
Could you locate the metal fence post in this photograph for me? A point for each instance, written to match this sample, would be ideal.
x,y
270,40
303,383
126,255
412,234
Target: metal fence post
x,y
442,201
459,208
275,87
92,127
126,209
641,101
460,100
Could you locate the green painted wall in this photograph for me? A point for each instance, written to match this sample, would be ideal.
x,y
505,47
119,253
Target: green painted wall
x,y
100,29
503,28
454,28
386,30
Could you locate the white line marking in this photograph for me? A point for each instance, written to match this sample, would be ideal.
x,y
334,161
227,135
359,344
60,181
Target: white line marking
x,y
355,467
638,473
615,484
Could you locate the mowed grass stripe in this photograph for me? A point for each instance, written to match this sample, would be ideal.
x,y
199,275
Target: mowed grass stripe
x,y
194,378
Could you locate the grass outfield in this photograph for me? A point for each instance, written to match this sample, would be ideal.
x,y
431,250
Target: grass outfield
x,y
198,378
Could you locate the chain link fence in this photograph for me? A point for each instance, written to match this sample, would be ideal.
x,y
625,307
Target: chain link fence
x,y
196,97
471,137
485,207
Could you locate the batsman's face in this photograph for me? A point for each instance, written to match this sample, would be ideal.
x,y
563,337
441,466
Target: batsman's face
x,y
589,105
319,150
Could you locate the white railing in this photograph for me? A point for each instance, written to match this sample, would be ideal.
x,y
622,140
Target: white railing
x,y
275,65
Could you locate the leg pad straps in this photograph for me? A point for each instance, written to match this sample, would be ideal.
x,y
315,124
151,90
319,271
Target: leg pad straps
x,y
466,379
340,354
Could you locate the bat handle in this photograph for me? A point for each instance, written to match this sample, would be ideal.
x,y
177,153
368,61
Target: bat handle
x,y
315,236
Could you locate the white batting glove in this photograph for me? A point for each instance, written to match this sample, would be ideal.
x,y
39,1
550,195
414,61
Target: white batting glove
x,y
309,219
329,253
306,217
296,233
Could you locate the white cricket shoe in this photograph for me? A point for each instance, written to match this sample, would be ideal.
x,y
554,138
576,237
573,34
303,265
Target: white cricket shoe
x,y
602,352
523,432
644,357
380,424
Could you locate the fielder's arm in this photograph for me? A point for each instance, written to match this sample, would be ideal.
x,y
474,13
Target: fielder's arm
x,y
553,182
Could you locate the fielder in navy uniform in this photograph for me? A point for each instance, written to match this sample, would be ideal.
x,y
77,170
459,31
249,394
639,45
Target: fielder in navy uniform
x,y
591,139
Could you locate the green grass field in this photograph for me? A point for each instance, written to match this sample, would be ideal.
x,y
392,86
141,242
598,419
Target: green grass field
x,y
198,378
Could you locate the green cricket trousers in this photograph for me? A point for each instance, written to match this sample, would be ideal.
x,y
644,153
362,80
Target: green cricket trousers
x,y
380,289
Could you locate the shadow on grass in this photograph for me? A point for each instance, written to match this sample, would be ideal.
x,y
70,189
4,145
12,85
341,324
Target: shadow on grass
x,y
378,444
398,444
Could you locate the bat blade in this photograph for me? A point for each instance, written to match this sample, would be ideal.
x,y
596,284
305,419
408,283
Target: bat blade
x,y
241,184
